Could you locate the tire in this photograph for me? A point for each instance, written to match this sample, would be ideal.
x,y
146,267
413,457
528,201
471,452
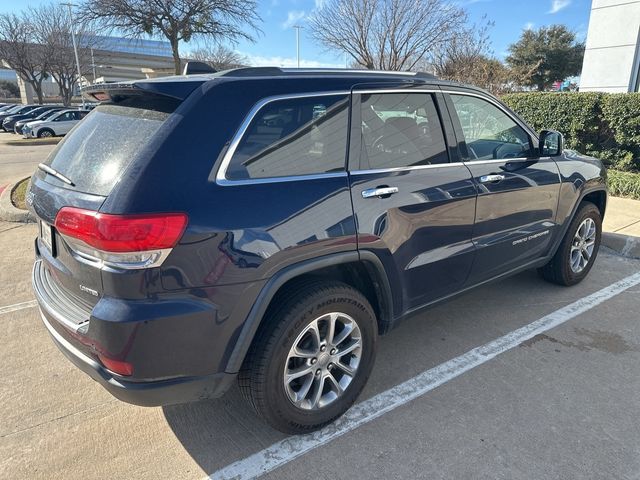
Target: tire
x,y
46,133
563,269
294,407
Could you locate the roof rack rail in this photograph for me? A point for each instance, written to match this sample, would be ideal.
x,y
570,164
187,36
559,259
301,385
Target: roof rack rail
x,y
277,71
252,72
351,71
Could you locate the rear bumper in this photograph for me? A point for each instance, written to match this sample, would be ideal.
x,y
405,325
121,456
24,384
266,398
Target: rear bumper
x,y
148,394
169,342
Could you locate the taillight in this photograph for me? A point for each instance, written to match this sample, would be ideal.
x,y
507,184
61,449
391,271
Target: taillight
x,y
125,241
117,366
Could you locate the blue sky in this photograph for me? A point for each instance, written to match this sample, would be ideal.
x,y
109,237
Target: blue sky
x,y
276,46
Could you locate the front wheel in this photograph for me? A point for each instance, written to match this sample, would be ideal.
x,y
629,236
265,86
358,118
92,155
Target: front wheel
x,y
310,362
45,133
578,250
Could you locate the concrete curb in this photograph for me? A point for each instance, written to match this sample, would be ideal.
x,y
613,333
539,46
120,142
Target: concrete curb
x,y
624,245
8,212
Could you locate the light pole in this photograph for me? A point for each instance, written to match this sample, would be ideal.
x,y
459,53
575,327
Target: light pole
x,y
297,27
93,66
75,47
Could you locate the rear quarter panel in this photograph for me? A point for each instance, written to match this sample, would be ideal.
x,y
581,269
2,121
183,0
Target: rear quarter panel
x,y
236,233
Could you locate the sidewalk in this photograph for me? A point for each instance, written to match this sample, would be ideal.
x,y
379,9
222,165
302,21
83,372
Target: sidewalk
x,y
622,217
621,227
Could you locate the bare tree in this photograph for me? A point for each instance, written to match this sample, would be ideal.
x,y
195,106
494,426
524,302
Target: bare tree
x,y
220,57
52,29
19,51
176,20
468,58
387,34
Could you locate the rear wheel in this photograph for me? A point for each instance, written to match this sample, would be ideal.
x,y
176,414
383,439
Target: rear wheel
x,y
310,362
45,133
578,250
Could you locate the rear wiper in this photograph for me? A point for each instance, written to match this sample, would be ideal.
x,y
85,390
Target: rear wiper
x,y
55,173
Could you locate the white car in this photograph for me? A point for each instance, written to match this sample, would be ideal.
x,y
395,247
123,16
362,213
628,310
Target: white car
x,y
58,124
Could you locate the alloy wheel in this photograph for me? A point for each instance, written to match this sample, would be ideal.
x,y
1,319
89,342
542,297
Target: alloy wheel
x,y
323,361
583,244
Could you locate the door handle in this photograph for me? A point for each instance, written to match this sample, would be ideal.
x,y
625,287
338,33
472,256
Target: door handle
x,y
495,178
379,192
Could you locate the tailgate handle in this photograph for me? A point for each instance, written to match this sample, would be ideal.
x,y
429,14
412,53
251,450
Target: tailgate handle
x,y
380,192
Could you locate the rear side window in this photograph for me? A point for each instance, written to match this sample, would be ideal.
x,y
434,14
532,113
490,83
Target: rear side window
x,y
104,143
290,137
401,130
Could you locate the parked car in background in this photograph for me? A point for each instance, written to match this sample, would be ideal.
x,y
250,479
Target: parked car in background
x,y
9,122
17,128
17,110
273,243
58,124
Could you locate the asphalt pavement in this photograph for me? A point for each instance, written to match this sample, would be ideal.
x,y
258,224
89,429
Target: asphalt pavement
x,y
19,157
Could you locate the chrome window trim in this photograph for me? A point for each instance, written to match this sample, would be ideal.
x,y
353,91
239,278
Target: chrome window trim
x,y
221,175
293,178
417,89
406,169
222,169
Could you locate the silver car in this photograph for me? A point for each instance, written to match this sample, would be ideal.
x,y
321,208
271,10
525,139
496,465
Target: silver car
x,y
56,125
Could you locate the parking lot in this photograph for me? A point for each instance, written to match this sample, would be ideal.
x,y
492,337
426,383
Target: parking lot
x,y
20,157
560,404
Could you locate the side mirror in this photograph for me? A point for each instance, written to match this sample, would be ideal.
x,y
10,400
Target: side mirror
x,y
551,143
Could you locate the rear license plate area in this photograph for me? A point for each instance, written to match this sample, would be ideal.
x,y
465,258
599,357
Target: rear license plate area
x,y
46,236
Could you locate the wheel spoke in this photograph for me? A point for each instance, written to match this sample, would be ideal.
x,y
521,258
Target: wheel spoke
x,y
304,390
315,333
298,352
349,348
331,328
335,386
317,394
297,373
349,370
342,336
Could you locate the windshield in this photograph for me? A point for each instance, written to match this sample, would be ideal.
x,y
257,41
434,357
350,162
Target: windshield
x,y
37,111
100,147
14,109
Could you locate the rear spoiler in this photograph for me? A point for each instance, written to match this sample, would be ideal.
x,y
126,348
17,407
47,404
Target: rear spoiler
x,y
177,88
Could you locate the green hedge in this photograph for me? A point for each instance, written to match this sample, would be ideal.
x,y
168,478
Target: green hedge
x,y
624,184
605,125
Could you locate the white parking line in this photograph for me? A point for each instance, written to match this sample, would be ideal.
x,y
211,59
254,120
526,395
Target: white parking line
x,y
18,306
289,449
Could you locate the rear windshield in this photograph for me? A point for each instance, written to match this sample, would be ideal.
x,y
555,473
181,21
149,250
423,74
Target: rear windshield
x,y
100,148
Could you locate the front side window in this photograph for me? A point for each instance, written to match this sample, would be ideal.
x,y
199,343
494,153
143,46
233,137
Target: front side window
x,y
400,130
291,137
489,133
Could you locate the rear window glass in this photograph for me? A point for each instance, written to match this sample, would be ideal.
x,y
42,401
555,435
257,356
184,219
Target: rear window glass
x,y
294,136
99,149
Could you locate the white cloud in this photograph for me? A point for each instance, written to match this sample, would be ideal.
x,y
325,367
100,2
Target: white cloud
x,y
276,61
529,25
320,4
557,5
293,17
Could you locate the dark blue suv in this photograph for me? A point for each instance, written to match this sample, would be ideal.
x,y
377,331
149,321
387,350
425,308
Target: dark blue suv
x,y
267,225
